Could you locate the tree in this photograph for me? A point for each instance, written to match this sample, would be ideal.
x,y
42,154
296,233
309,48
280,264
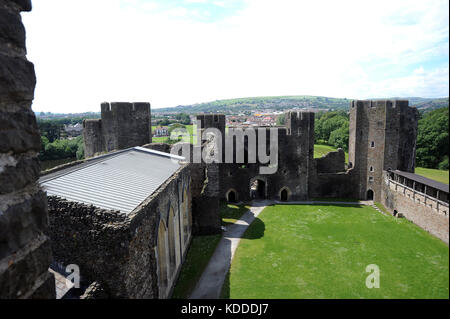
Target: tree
x,y
432,139
281,119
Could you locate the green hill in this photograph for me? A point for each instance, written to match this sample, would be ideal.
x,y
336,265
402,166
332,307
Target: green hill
x,y
280,103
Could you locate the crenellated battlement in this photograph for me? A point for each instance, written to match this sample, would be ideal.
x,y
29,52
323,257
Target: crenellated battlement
x,y
123,125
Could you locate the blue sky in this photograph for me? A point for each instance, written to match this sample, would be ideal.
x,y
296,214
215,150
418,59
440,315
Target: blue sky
x,y
171,52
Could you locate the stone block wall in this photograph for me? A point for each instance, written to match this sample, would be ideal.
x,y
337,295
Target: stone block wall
x,y
95,239
122,125
382,136
115,250
332,162
25,253
426,214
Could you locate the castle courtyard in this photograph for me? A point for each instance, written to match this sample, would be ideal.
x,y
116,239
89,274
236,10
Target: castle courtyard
x,y
322,251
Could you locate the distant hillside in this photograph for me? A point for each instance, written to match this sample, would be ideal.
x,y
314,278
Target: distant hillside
x,y
280,103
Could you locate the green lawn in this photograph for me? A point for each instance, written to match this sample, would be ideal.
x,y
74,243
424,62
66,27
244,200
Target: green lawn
x,y
435,174
322,251
198,256
165,139
231,213
201,250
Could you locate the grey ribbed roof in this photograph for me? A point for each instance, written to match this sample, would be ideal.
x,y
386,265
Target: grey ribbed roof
x,y
119,181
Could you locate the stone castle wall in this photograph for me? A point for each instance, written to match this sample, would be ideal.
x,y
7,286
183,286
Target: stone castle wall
x,y
113,249
25,253
424,212
122,125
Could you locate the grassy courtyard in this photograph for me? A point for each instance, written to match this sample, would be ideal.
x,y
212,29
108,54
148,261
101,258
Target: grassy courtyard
x,y
322,251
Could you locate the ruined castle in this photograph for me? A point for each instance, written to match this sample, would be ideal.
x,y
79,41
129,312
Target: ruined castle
x,y
125,215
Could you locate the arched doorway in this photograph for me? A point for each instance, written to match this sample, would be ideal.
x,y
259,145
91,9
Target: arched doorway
x,y
258,189
370,194
284,195
232,196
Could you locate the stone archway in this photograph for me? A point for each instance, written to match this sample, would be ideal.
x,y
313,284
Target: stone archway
x,y
232,196
258,188
284,194
370,195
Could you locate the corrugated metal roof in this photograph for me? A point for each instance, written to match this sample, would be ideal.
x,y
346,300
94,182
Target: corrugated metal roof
x,y
423,180
119,182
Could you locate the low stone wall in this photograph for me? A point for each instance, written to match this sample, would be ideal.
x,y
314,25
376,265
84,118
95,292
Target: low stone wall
x,y
161,147
413,207
333,185
332,162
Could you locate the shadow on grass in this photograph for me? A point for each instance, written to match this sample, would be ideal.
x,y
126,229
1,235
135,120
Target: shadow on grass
x,y
256,230
229,212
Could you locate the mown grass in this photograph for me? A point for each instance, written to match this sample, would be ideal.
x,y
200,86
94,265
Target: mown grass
x,y
434,174
230,213
332,199
197,258
165,139
201,250
322,251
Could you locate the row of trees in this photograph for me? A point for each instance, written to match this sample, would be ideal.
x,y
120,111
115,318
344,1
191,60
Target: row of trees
x,y
180,118
432,139
332,128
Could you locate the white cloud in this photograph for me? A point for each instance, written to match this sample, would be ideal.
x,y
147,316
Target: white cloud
x,y
86,52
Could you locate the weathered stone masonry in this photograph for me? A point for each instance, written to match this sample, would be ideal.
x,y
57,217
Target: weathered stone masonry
x,y
25,253
121,252
122,125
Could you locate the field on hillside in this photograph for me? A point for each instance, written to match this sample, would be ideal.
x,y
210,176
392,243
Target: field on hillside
x,y
322,251
435,174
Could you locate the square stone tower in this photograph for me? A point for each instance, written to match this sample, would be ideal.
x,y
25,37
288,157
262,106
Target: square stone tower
x,y
122,125
383,136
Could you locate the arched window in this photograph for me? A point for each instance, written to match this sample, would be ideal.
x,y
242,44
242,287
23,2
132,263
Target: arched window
x,y
185,217
371,168
162,256
372,144
171,233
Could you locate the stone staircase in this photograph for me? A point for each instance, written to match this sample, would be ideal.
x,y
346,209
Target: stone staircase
x,y
371,204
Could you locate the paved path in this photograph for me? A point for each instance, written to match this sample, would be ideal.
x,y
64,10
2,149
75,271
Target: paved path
x,y
210,284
